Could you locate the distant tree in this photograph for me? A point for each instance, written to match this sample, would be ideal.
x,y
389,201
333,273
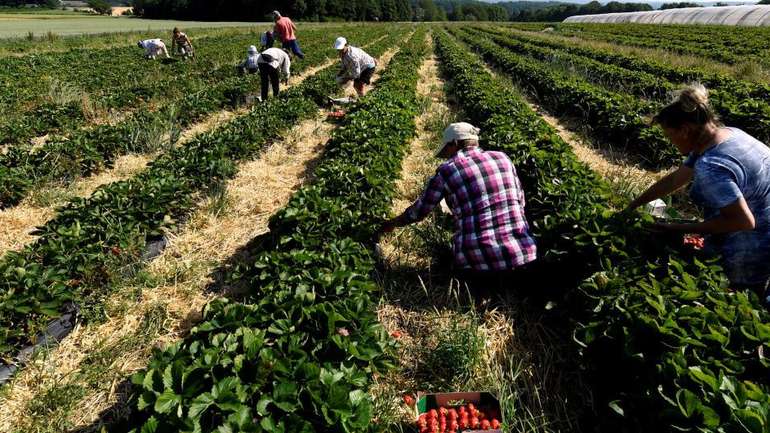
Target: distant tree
x,y
680,5
560,12
389,10
764,2
100,6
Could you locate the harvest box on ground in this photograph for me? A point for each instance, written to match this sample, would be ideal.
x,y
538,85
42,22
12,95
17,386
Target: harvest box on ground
x,y
484,401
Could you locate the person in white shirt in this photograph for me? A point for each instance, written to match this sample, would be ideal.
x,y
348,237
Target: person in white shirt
x,y
153,48
250,64
274,66
357,65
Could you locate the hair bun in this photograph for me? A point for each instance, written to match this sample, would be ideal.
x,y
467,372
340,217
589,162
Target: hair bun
x,y
693,97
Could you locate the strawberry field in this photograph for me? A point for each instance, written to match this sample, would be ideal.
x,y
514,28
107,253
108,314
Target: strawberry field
x,y
137,308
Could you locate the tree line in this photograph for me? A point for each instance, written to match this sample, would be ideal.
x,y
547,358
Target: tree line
x,y
322,10
560,12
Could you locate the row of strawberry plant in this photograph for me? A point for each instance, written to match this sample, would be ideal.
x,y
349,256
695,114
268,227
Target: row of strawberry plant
x,y
298,353
751,115
109,75
638,83
676,74
615,118
728,44
87,151
657,331
78,254
144,85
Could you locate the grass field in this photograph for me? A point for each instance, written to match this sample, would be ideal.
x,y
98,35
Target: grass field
x,y
21,25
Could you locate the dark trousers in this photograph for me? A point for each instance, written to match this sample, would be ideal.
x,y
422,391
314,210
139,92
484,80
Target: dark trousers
x,y
294,47
497,285
269,75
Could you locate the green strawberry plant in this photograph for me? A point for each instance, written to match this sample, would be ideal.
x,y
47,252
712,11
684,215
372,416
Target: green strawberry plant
x,y
656,331
298,352
87,151
78,245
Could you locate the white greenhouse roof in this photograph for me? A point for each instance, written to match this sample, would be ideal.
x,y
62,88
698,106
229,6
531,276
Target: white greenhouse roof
x,y
754,15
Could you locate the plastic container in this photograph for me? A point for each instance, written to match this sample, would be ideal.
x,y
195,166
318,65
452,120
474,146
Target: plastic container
x,y
483,401
656,208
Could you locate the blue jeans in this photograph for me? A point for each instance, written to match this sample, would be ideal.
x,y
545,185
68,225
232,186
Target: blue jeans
x,y
294,47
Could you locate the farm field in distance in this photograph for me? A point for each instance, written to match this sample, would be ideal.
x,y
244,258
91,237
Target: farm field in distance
x,y
178,256
39,24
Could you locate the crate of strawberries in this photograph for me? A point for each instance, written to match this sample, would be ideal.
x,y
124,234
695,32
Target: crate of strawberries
x,y
458,412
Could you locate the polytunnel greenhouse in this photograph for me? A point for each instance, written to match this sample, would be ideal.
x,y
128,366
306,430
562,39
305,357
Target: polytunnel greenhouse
x,y
755,15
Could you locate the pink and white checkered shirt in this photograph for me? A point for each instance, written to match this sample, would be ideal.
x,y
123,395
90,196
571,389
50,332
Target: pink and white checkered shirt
x,y
487,202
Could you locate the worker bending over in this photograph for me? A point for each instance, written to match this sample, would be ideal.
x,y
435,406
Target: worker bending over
x,y
181,44
250,65
491,236
274,65
153,48
729,173
267,40
357,65
285,31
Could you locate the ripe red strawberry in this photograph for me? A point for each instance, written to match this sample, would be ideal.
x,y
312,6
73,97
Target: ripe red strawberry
x,y
474,422
452,414
485,425
409,400
396,334
432,414
495,424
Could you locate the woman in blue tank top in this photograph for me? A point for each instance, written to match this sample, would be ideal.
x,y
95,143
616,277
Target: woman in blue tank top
x,y
730,175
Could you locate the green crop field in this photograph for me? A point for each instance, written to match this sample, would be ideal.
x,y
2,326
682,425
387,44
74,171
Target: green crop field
x,y
178,256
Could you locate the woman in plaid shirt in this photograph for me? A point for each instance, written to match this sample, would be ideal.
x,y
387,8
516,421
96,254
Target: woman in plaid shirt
x,y
485,195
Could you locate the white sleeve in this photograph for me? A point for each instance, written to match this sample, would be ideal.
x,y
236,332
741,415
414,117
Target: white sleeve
x,y
287,66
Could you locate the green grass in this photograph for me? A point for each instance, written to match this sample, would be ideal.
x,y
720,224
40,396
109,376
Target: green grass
x,y
40,12
15,25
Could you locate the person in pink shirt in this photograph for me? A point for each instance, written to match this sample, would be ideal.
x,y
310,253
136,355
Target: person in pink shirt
x,y
284,29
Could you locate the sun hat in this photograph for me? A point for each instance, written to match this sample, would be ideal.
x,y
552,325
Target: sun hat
x,y
252,49
340,43
459,131
277,14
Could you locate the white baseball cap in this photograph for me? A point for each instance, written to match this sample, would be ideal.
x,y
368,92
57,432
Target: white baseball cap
x,y
458,131
252,49
340,43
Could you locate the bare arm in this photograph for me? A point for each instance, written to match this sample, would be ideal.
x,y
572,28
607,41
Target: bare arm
x,y
672,182
735,217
